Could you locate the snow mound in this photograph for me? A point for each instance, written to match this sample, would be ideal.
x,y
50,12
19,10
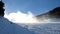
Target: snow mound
x,y
7,27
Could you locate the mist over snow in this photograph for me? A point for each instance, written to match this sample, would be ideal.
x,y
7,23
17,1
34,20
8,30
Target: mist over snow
x,y
19,17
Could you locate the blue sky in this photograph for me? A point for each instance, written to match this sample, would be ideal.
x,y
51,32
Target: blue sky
x,y
35,6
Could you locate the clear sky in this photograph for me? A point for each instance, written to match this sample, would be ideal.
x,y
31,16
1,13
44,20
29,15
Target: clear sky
x,y
35,6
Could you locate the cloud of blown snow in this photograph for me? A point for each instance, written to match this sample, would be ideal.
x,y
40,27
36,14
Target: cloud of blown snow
x,y
20,17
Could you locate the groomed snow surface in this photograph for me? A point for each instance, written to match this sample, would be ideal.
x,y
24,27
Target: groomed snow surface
x,y
7,27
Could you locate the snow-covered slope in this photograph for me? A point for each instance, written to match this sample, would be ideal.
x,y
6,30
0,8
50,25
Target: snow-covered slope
x,y
7,27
